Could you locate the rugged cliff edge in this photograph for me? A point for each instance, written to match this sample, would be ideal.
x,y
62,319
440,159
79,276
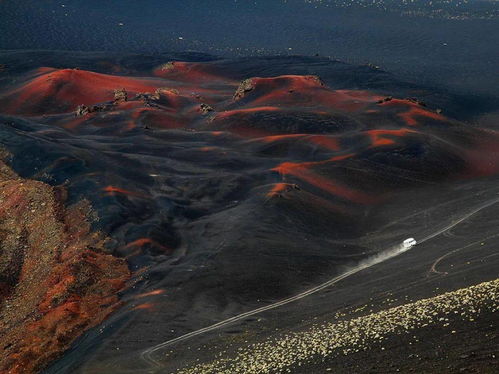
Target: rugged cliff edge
x,y
56,280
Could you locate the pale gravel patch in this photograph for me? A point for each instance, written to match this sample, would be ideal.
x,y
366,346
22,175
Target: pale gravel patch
x,y
280,354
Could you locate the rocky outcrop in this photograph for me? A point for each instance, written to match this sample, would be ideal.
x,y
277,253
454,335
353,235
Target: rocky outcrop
x,y
56,279
245,86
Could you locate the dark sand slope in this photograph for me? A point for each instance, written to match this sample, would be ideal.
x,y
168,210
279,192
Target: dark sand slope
x,y
354,335
230,185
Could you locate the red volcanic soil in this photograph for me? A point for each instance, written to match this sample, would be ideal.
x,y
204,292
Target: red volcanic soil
x,y
412,111
198,95
56,279
284,111
190,72
55,91
304,91
305,173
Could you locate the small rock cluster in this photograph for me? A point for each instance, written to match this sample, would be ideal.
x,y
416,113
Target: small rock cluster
x,y
245,86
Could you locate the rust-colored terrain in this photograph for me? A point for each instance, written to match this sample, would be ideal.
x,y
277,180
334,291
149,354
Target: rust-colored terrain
x,y
56,278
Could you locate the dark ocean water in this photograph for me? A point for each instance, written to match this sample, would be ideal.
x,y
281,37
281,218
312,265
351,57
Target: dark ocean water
x,y
449,43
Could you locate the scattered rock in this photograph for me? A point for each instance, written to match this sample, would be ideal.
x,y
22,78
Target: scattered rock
x,y
82,110
415,100
148,99
168,66
145,97
245,86
386,99
72,283
100,108
163,91
373,66
205,108
120,95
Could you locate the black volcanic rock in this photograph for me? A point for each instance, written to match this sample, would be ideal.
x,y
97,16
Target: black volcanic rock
x,y
203,205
